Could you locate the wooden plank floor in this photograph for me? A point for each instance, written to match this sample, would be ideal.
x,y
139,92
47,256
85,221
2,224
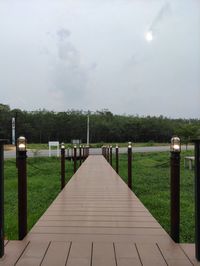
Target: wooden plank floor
x,y
96,220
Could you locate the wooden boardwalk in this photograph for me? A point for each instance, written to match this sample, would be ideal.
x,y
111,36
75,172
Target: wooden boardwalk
x,y
97,221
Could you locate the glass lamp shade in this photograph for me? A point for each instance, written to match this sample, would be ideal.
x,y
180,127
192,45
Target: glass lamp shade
x,y
21,143
175,144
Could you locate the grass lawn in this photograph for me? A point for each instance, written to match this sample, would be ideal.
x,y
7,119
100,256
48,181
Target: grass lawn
x,y
151,183
44,146
43,186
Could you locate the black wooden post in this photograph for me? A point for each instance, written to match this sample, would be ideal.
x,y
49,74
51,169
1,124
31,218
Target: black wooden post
x,y
175,189
102,150
16,136
22,188
117,158
83,153
2,142
175,196
87,151
130,165
111,155
62,165
197,199
80,154
68,153
75,159
107,154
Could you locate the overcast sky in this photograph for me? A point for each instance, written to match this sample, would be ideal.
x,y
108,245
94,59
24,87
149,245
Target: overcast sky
x,y
93,54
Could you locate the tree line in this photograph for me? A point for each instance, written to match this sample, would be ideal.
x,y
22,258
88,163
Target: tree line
x,y
42,126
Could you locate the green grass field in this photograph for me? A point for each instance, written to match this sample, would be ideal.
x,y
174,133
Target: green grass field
x,y
43,146
150,183
43,186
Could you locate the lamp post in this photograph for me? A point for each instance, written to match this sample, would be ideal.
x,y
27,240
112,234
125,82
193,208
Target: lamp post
x,y
111,155
22,187
175,149
197,198
2,142
75,159
62,150
80,154
130,165
83,153
87,151
16,135
117,158
108,153
104,151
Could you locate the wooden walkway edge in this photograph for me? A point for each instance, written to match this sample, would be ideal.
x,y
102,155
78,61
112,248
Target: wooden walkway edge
x,y
96,220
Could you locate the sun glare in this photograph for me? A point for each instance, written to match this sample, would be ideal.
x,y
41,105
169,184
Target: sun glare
x,y
149,36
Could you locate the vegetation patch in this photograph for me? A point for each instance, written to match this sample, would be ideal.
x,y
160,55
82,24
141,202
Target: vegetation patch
x,y
151,183
43,187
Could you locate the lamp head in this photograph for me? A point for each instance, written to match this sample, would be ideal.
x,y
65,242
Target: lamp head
x,y
21,143
62,145
175,144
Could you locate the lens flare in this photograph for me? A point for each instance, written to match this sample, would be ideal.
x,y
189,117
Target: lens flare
x,y
149,36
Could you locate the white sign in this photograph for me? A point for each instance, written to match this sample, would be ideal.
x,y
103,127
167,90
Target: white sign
x,y
76,141
54,144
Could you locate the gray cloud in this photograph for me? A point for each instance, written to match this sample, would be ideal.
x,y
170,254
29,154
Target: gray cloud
x,y
69,75
63,34
161,15
93,66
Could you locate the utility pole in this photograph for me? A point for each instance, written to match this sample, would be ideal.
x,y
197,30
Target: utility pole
x,y
13,130
88,128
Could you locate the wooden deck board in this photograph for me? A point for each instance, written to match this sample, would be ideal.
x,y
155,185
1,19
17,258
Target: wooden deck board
x,y
97,230
13,251
96,220
150,255
173,254
100,238
80,254
127,254
57,254
110,224
103,254
189,250
34,254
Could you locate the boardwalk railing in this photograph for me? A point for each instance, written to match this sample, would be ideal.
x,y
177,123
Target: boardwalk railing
x,y
175,187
